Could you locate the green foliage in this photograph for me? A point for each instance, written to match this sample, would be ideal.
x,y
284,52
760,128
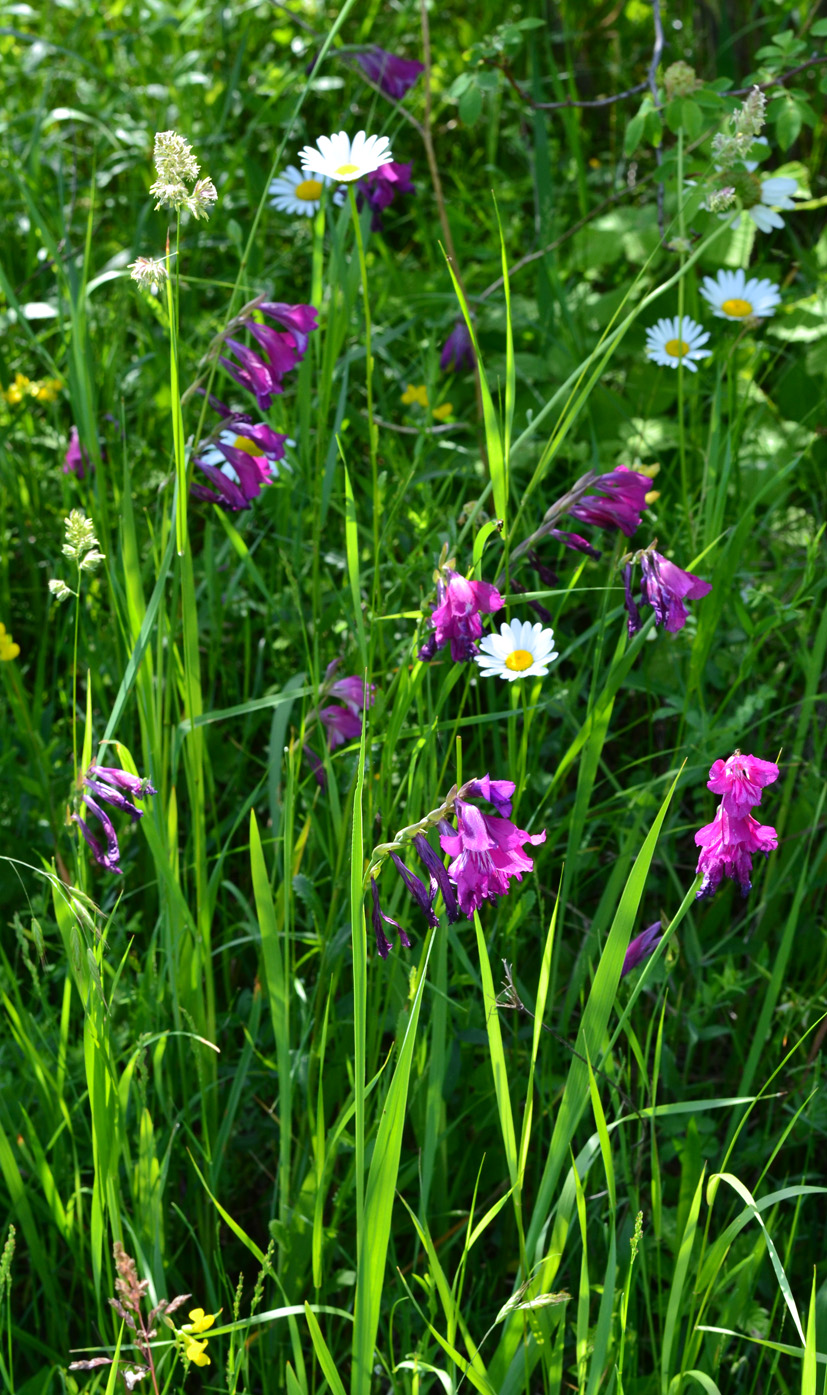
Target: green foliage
x,y
403,1173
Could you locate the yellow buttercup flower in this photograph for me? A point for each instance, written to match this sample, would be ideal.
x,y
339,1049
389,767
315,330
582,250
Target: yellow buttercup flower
x,y
8,649
20,388
415,394
444,412
201,1321
48,390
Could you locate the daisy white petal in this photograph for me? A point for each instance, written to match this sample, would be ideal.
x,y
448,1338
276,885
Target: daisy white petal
x,y
733,297
670,342
343,160
520,650
296,191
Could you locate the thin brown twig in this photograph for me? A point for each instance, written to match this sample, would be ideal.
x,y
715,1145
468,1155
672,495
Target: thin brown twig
x,y
595,102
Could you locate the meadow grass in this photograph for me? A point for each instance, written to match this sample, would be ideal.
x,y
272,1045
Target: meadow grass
x,y
490,1160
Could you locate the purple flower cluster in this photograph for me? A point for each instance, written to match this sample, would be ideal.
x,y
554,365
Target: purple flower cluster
x,y
729,842
241,456
456,616
618,503
394,76
380,189
77,460
664,587
486,851
342,724
263,374
104,782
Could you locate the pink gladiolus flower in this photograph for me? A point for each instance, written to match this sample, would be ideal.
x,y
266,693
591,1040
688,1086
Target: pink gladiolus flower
x,y
641,947
382,187
342,725
458,349
727,845
456,618
740,780
486,850
76,461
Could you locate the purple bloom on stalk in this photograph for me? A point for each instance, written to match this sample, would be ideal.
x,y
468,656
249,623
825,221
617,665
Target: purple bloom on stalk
x,y
665,587
641,947
262,376
395,76
342,725
103,782
77,461
620,502
486,851
458,349
377,915
740,780
381,187
417,888
239,462
438,876
355,692
727,846
575,542
456,617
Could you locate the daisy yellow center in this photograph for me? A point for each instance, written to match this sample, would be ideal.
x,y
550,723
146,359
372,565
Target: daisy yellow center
x,y
244,443
309,189
519,660
345,170
738,309
676,348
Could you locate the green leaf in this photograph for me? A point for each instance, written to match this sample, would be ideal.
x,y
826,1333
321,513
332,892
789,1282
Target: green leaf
x,y
470,105
634,135
788,125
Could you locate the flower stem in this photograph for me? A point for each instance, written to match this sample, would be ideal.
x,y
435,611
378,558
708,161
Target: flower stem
x,y
372,429
75,683
681,298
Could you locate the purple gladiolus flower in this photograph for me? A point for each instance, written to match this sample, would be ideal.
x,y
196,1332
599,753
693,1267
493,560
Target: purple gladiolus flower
x,y
417,888
355,692
342,725
262,376
239,462
664,587
727,845
77,461
486,851
103,782
315,765
395,76
456,617
620,502
458,349
740,780
641,947
380,188
437,875
377,915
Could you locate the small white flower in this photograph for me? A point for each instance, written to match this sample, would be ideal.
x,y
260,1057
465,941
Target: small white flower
x,y
776,192
297,192
668,345
520,650
344,160
733,297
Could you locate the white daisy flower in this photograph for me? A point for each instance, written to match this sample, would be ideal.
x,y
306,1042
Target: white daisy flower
x,y
520,650
344,160
733,297
294,192
669,345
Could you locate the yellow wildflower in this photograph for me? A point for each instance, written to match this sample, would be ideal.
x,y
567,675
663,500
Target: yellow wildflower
x,y
48,390
415,394
444,412
20,388
8,649
201,1321
196,1353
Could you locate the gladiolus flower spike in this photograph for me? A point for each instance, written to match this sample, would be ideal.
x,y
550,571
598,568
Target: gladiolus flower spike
x,y
263,375
664,586
106,783
729,842
456,616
